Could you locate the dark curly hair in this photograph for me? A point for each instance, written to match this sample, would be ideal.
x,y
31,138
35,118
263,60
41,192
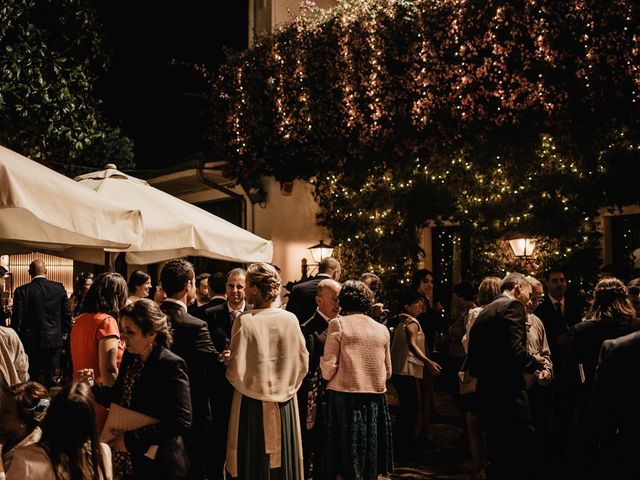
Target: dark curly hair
x,y
419,276
355,297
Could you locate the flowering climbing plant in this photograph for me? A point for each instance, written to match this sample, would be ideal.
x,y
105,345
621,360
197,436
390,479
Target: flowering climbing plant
x,y
494,115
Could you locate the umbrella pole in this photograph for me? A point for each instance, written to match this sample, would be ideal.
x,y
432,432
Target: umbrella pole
x,y
110,261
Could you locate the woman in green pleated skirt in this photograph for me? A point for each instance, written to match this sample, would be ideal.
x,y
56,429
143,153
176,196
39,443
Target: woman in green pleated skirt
x,y
358,442
267,363
253,457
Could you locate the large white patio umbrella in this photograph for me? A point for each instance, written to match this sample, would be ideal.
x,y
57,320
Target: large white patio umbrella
x,y
174,228
41,209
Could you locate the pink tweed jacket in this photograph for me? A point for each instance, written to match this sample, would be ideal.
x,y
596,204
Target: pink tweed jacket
x,y
356,355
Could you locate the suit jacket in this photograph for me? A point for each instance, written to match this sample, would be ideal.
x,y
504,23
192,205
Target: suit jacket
x,y
498,356
161,391
41,314
302,300
192,342
587,338
614,406
200,311
218,319
556,325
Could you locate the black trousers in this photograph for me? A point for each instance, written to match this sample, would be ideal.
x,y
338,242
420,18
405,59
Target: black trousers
x,y
407,413
509,434
221,406
43,363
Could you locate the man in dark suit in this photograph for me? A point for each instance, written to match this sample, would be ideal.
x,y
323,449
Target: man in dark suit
x,y
202,294
42,317
302,300
216,292
614,408
192,342
558,312
498,358
315,335
220,319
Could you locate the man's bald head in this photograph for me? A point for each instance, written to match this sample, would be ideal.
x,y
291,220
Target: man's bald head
x,y
36,268
327,297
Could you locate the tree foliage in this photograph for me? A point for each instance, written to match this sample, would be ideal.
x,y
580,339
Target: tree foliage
x,y
51,52
500,116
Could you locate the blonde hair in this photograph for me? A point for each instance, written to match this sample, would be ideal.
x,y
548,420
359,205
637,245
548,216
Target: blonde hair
x,y
265,278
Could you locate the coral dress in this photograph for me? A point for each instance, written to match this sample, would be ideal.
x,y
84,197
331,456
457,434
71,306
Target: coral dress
x,y
86,333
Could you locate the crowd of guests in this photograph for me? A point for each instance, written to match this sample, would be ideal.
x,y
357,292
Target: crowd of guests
x,y
223,381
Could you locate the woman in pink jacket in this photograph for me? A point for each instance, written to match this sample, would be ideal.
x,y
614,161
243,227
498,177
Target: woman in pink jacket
x,y
356,364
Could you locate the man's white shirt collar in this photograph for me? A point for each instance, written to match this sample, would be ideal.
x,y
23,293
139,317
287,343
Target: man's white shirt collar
x,y
241,309
554,301
179,302
323,315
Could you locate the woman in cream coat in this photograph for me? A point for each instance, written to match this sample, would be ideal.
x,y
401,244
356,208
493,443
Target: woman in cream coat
x,y
267,364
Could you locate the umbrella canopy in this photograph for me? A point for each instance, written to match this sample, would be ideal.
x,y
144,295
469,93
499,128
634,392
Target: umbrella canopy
x,y
174,228
43,210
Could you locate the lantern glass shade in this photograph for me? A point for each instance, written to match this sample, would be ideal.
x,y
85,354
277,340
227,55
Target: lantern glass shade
x,y
320,251
522,247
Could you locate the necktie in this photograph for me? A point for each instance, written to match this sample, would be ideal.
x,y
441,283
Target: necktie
x,y
558,306
235,314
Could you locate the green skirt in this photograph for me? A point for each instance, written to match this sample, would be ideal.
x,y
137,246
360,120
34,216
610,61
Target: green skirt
x,y
252,459
358,437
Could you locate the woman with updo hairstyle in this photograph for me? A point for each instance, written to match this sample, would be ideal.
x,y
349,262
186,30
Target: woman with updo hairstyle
x,y
356,364
152,381
69,448
267,363
22,408
611,316
139,285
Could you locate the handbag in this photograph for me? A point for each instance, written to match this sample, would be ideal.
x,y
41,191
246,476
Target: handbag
x,y
468,384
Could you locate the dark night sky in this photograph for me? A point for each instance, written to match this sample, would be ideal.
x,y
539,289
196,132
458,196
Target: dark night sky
x,y
147,96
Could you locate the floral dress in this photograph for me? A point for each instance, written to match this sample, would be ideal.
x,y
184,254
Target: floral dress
x,y
122,464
